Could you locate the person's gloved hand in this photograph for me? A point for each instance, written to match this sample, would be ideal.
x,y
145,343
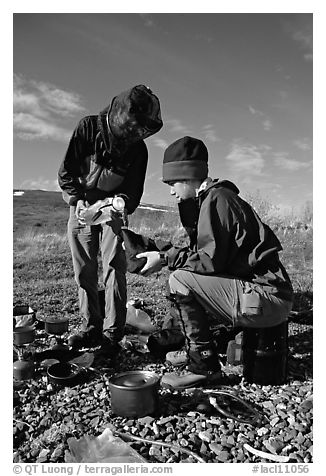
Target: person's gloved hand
x,y
81,205
153,264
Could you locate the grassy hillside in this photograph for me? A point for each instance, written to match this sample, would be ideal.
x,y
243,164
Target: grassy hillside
x,y
42,263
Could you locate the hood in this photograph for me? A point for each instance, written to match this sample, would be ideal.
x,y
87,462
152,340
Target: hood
x,y
209,183
132,116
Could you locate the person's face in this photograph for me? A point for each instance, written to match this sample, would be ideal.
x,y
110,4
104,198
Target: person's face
x,y
184,189
124,126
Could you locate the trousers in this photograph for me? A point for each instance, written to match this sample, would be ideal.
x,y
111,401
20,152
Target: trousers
x,y
86,242
226,301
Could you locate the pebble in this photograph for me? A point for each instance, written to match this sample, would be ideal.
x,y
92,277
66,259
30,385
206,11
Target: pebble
x,y
203,449
156,429
291,420
262,431
183,442
299,438
193,438
268,404
147,420
290,435
43,456
307,405
288,427
274,421
154,451
216,448
57,453
205,436
223,456
164,421
214,421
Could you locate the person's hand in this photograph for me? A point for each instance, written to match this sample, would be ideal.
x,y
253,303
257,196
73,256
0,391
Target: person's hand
x,y
153,264
81,205
112,215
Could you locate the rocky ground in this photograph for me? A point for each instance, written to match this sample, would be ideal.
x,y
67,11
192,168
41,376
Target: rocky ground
x,y
46,416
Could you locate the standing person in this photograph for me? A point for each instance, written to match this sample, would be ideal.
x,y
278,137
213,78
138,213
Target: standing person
x,y
106,157
231,269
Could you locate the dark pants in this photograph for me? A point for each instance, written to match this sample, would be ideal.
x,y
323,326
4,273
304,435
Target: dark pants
x,y
227,301
85,243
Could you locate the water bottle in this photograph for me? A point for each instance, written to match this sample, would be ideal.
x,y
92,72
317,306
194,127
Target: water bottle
x,y
234,350
117,203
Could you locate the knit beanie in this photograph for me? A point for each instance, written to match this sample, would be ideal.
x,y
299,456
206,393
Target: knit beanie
x,y
185,159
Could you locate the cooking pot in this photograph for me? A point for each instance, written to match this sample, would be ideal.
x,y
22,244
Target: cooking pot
x,y
63,373
56,326
134,393
24,335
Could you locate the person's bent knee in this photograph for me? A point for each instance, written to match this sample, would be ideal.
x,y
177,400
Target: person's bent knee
x,y
178,282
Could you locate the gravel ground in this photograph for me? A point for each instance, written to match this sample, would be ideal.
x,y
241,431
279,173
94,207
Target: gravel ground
x,y
45,416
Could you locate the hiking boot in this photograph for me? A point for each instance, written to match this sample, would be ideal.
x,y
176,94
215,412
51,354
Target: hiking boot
x,y
167,340
109,348
202,367
177,358
85,339
222,338
188,379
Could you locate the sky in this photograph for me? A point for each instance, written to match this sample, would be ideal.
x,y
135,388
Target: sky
x,y
241,82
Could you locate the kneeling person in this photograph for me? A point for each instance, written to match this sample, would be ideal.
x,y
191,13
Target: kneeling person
x,y
231,269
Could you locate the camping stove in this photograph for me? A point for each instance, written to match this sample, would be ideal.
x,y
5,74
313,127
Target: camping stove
x,y
23,369
56,328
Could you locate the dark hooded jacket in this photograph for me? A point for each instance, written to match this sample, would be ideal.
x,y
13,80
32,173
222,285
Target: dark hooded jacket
x,y
227,238
107,155
87,157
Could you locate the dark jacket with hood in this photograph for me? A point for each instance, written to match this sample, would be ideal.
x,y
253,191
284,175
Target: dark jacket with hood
x,y
227,238
107,154
89,160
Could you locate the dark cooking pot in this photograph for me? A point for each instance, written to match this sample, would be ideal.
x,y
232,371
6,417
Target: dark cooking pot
x,y
56,326
24,335
63,373
134,393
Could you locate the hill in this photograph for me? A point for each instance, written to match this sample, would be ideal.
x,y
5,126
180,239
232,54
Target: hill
x,y
47,211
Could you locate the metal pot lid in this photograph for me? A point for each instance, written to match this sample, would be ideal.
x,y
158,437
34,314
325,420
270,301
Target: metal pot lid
x,y
55,320
133,380
23,329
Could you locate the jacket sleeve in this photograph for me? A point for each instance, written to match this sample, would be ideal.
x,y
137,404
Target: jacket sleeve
x,y
71,166
133,185
213,238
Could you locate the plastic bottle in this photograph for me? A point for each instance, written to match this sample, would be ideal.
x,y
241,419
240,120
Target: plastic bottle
x,y
234,350
139,319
